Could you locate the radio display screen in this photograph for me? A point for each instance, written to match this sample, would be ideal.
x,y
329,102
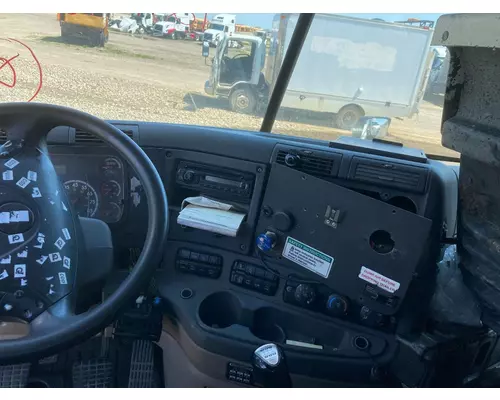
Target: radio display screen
x,y
222,180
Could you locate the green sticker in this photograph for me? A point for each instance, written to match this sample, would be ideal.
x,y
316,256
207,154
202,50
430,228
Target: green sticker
x,y
308,257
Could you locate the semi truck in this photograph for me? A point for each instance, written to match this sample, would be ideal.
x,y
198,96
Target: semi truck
x,y
374,68
174,26
221,25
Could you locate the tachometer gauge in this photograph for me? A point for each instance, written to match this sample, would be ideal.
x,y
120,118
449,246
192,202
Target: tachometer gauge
x,y
83,197
111,189
110,167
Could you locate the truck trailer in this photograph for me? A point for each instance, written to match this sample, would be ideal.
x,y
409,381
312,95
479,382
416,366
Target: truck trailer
x,y
374,68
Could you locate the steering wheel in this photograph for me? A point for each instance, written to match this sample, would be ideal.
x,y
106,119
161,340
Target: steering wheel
x,y
41,240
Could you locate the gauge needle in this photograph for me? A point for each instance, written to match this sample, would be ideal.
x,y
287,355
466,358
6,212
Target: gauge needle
x,y
88,200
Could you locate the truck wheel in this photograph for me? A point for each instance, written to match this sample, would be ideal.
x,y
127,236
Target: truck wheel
x,y
347,117
101,39
173,36
243,101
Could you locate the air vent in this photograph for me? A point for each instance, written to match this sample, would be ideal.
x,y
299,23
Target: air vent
x,y
309,163
85,137
388,174
3,136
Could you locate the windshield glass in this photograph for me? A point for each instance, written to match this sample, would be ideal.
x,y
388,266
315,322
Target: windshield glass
x,y
350,66
216,27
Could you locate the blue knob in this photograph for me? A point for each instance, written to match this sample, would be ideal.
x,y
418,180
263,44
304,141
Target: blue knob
x,y
266,241
157,301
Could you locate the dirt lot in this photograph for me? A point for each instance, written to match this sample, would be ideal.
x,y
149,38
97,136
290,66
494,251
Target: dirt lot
x,y
150,79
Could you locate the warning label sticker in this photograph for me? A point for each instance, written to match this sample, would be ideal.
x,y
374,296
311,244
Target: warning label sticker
x,y
308,257
378,279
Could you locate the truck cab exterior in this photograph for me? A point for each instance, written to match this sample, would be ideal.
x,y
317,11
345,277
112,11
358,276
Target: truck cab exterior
x,y
220,25
174,26
236,72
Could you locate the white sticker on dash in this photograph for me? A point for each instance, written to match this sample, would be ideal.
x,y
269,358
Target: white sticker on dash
x,y
380,280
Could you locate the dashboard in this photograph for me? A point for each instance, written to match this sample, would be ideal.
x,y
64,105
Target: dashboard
x,y
352,233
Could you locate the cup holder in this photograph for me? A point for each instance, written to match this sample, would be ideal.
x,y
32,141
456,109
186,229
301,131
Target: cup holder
x,y
220,310
265,326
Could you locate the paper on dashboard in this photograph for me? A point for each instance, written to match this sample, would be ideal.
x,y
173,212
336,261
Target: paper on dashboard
x,y
210,215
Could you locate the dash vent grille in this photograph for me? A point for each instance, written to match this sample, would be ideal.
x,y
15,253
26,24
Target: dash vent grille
x,y
389,174
310,164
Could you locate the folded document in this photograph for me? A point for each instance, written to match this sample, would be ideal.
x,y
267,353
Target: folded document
x,y
210,215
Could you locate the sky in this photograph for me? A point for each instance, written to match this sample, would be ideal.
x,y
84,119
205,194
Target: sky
x,y
264,21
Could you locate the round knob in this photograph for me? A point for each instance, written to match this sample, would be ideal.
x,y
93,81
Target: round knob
x,y
282,221
266,241
337,305
305,294
292,160
188,176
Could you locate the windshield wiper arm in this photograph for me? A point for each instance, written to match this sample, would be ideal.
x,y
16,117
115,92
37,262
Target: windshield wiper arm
x,y
292,54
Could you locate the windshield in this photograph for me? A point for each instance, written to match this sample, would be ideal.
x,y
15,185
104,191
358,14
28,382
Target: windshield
x,y
216,27
350,66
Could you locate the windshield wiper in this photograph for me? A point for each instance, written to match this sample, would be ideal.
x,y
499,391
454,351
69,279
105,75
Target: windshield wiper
x,y
292,54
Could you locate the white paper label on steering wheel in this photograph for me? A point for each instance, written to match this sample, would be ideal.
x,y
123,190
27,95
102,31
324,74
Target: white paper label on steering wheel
x,y
66,234
11,163
41,240
67,262
23,182
6,260
20,271
4,274
62,278
8,175
55,257
59,243
41,260
36,193
16,238
32,176
23,254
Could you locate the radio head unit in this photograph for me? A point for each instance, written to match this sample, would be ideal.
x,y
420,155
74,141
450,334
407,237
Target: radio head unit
x,y
215,180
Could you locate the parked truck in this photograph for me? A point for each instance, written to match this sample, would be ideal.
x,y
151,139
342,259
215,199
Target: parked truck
x,y
439,71
92,26
220,25
374,68
174,26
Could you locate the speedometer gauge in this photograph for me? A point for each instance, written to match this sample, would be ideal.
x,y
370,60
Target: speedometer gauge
x,y
83,197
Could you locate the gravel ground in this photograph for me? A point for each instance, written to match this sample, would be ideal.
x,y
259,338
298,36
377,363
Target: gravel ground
x,y
153,79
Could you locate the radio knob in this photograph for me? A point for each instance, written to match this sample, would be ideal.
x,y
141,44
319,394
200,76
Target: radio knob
x,y
188,176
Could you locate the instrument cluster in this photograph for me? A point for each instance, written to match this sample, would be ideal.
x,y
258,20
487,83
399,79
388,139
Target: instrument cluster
x,y
94,184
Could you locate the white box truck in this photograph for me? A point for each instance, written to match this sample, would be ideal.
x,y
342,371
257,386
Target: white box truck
x,y
348,67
